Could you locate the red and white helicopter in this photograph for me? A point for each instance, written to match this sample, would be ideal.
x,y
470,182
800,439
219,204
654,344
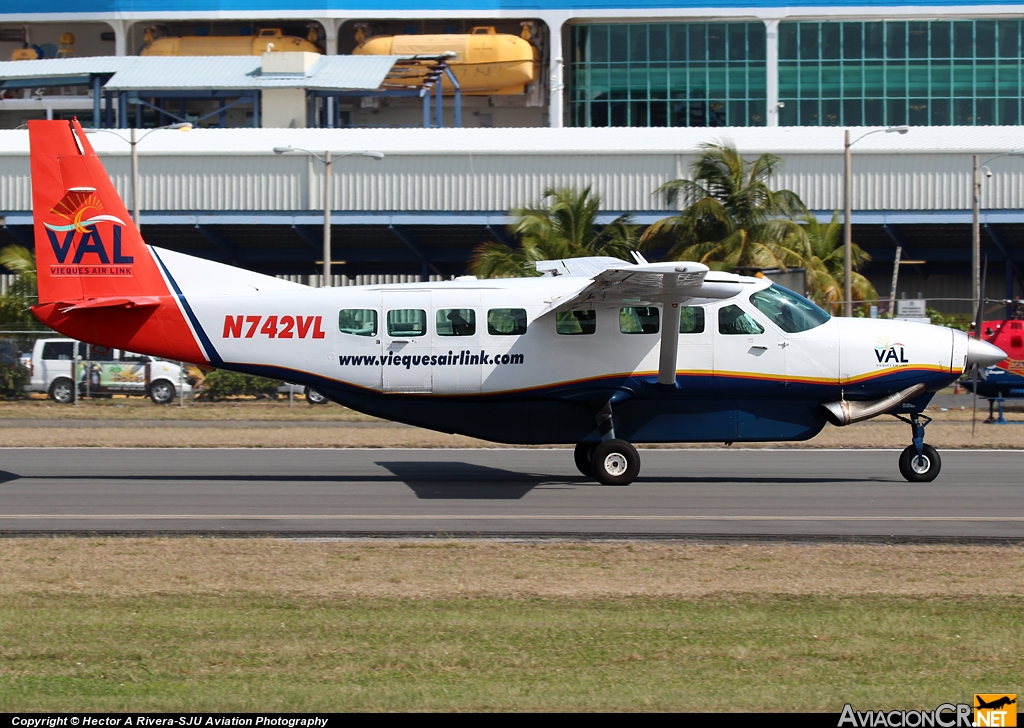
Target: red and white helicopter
x,y
596,352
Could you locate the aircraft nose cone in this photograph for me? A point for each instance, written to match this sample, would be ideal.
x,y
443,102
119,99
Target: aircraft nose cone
x,y
983,353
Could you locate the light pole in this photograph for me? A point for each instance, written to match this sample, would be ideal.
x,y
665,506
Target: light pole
x,y
326,161
976,221
848,213
133,141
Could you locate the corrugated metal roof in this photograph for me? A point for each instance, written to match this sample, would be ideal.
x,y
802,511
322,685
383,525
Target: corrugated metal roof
x,y
50,67
340,72
132,73
186,72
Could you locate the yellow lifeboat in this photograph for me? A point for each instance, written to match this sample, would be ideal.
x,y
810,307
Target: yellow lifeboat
x,y
488,63
227,45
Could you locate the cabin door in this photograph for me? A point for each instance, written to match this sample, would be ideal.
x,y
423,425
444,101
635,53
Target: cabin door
x,y
750,354
405,342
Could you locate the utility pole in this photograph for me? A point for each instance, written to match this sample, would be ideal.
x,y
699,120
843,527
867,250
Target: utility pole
x,y
327,218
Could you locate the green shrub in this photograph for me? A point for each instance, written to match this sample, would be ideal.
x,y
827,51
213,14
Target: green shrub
x,y
221,384
13,378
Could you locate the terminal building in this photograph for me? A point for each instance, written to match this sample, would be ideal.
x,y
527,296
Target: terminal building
x,y
529,97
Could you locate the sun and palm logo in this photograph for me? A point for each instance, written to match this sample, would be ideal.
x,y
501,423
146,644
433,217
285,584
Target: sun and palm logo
x,y
888,351
82,209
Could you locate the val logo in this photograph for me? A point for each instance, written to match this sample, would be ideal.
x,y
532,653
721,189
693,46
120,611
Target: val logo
x,y
82,210
889,352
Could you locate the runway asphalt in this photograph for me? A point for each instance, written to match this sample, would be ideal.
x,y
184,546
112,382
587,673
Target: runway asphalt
x,y
721,492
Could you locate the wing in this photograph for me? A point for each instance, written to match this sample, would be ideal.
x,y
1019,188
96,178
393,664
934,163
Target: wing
x,y
649,284
613,283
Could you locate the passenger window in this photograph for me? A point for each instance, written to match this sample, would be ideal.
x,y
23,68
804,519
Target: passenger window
x,y
573,323
734,320
59,350
357,321
691,320
456,322
639,320
407,322
506,321
133,357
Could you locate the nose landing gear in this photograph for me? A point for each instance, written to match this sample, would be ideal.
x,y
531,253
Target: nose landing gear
x,y
919,463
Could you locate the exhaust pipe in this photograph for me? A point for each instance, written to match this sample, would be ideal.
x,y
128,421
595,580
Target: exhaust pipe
x,y
844,412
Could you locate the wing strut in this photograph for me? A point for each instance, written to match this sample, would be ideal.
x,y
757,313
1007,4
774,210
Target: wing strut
x,y
669,344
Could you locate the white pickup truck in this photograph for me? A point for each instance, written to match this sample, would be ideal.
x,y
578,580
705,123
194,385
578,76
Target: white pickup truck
x,y
101,371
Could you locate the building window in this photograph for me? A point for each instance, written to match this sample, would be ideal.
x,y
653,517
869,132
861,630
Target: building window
x,y
886,73
668,74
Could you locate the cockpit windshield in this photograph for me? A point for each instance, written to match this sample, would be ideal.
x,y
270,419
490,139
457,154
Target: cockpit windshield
x,y
789,311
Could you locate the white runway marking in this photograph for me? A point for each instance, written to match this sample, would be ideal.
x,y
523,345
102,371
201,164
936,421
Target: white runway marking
x,y
484,517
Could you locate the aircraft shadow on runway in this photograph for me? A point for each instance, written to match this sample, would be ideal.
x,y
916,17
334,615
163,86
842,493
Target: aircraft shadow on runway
x,y
433,480
456,479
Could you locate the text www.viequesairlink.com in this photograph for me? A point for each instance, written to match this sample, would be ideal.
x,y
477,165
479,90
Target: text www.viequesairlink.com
x,y
451,359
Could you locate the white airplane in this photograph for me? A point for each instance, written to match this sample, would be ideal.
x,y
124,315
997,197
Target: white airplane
x,y
596,352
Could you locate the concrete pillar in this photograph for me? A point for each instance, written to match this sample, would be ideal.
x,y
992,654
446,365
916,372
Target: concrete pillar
x,y
120,28
331,28
556,68
771,58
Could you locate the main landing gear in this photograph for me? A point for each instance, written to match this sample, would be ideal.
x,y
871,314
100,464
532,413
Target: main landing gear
x,y
919,463
611,461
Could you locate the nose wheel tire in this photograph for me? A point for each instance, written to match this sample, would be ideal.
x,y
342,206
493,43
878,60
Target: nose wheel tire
x,y
615,462
922,468
582,457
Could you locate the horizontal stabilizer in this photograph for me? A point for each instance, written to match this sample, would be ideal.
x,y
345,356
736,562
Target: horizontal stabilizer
x,y
110,302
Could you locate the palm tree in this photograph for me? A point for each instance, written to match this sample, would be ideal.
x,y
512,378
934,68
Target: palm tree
x,y
22,294
732,218
825,265
566,227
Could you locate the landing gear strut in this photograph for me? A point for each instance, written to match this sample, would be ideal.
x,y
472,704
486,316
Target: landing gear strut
x,y
919,463
611,461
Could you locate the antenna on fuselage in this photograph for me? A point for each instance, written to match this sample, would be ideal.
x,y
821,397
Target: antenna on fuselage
x,y
640,260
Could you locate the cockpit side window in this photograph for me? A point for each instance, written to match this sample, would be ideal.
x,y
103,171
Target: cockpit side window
x,y
789,311
733,320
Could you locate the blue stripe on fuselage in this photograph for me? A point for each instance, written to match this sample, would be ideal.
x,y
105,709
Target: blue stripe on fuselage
x,y
196,326
699,409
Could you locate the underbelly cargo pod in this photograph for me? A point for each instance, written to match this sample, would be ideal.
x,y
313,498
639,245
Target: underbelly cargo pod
x,y
487,63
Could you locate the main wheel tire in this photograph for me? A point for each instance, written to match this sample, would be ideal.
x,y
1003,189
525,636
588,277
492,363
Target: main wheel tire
x,y
923,469
161,392
582,457
62,390
615,462
314,397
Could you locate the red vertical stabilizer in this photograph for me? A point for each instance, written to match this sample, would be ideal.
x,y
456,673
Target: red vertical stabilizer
x,y
98,280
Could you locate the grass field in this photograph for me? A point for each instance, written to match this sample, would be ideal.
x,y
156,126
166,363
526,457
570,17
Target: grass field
x,y
191,624
221,424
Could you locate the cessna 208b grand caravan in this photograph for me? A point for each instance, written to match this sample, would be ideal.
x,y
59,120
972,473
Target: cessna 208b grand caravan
x,y
596,352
